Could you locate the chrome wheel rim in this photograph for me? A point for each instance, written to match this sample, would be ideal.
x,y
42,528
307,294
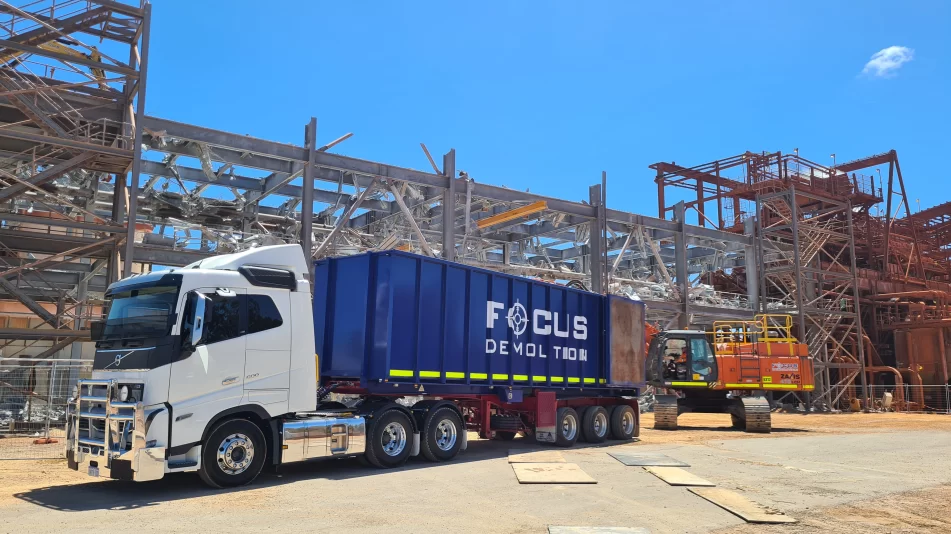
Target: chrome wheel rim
x,y
600,424
627,423
235,454
446,435
394,439
569,427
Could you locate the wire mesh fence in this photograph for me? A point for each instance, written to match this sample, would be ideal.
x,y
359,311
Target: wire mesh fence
x,y
33,401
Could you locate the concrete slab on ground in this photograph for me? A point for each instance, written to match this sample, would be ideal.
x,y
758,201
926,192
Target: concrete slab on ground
x,y
526,456
647,459
676,476
553,473
742,507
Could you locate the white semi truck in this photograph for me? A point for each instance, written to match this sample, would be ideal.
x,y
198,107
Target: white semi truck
x,y
218,368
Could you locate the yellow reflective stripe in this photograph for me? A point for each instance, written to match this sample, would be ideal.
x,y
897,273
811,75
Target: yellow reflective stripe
x,y
781,386
688,383
406,373
742,385
808,387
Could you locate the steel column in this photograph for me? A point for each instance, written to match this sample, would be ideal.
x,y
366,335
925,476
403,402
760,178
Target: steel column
x,y
307,195
137,135
449,207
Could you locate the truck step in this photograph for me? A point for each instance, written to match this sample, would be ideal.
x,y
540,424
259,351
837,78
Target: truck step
x,y
182,464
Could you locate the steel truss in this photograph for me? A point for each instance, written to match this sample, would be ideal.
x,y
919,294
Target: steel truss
x,y
79,154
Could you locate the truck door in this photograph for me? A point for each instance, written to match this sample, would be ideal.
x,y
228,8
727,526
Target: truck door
x,y
209,377
703,365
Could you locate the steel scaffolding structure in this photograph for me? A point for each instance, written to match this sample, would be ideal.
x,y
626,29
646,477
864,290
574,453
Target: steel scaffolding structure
x,y
869,290
80,154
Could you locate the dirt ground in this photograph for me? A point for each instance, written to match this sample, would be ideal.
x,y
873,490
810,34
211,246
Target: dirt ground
x,y
914,511
832,472
705,427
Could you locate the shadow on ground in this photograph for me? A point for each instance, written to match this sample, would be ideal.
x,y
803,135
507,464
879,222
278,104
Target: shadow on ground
x,y
121,495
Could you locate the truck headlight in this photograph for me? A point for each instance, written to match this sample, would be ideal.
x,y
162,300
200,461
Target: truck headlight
x,y
123,393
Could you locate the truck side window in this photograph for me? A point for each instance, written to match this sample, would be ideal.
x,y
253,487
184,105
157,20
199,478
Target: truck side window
x,y
262,314
224,319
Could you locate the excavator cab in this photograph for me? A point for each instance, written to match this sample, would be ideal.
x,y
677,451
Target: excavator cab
x,y
681,358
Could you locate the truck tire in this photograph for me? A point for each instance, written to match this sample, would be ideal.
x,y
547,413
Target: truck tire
x,y
442,434
623,422
568,427
233,455
594,424
504,435
389,439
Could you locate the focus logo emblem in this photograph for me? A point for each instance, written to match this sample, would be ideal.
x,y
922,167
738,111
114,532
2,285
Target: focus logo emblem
x,y
517,318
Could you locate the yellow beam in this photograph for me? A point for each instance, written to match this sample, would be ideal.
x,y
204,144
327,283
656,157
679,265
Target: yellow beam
x,y
511,215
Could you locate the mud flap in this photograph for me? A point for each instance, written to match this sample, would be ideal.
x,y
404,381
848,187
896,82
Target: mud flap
x,y
545,415
415,450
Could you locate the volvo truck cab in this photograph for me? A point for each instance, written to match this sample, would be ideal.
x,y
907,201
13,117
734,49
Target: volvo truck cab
x,y
196,369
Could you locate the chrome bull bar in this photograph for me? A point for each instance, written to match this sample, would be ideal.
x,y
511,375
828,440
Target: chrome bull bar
x,y
107,438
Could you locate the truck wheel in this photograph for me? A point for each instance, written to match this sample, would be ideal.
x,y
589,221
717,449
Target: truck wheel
x,y
442,434
594,424
389,439
566,433
623,422
233,455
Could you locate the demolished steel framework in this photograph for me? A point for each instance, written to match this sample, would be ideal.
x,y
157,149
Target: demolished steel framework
x,y
79,153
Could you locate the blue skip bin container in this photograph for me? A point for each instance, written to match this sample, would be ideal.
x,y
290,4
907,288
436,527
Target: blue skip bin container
x,y
396,317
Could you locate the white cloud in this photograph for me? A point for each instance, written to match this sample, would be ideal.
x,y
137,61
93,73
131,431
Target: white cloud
x,y
886,61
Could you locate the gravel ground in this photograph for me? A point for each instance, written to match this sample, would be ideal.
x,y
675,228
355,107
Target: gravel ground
x,y
835,473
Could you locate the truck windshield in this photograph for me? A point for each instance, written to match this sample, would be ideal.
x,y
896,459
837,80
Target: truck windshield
x,y
141,312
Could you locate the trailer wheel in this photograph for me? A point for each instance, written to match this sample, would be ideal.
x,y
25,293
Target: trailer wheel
x,y
233,455
623,422
569,426
442,434
594,424
389,439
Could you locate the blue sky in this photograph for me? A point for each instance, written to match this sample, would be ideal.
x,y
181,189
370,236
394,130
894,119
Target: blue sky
x,y
545,96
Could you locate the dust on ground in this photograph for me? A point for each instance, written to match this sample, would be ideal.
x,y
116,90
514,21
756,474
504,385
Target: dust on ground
x,y
915,511
700,427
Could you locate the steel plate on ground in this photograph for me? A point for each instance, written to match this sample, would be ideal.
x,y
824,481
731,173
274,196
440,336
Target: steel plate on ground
x,y
745,509
524,456
553,473
647,459
676,476
597,530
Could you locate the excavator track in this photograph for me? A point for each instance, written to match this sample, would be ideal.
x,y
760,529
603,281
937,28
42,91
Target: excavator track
x,y
756,414
665,412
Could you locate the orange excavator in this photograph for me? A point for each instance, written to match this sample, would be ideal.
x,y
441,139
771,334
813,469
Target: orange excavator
x,y
727,370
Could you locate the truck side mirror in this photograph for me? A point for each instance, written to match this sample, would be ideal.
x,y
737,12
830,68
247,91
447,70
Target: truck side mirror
x,y
198,321
95,330
193,320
